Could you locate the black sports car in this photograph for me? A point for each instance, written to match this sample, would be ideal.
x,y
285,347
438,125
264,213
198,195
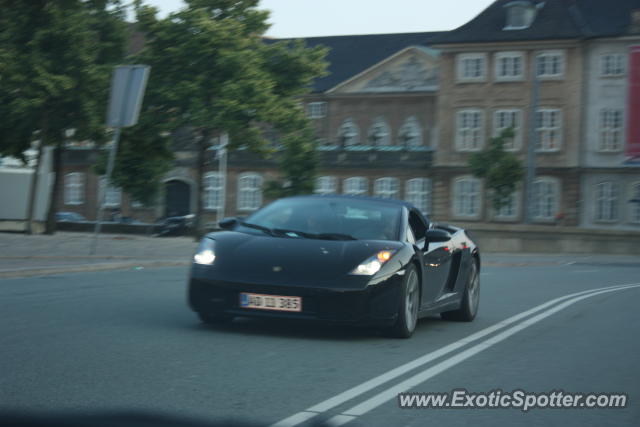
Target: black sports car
x,y
338,259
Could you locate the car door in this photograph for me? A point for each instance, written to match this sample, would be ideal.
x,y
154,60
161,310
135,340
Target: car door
x,y
436,261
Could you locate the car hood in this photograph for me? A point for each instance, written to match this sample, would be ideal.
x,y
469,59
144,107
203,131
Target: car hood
x,y
250,258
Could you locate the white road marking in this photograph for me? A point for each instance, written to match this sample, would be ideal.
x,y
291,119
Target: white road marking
x,y
358,390
421,377
586,271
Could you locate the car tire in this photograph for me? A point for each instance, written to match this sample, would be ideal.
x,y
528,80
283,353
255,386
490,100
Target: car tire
x,y
214,319
409,305
471,299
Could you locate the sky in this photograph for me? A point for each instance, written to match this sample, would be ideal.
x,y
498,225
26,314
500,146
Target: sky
x,y
309,18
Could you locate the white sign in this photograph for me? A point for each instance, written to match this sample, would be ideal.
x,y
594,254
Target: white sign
x,y
127,90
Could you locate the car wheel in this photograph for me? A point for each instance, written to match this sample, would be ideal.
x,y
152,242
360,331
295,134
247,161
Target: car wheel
x,y
214,319
470,301
409,304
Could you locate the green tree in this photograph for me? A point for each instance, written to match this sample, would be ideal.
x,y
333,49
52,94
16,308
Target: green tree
x,y
501,170
55,63
213,72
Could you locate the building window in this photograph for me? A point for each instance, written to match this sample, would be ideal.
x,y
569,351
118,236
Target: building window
x,y
317,110
509,66
611,130
545,199
471,66
520,15
550,64
469,130
612,65
509,211
249,192
508,119
549,129
379,134
135,204
386,188
634,201
113,195
326,185
356,186
411,133
606,202
348,134
418,193
213,186
466,196
74,188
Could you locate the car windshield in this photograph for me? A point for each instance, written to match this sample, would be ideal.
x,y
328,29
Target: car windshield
x,y
332,219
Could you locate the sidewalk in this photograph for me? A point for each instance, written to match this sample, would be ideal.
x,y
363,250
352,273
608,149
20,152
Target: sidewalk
x,y
38,255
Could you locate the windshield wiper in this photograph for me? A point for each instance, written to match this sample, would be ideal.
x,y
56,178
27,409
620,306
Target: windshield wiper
x,y
334,236
267,230
293,233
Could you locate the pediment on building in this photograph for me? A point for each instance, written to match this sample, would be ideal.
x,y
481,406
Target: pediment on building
x,y
413,69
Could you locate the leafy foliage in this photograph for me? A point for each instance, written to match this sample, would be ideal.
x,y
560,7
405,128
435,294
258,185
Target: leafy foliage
x,y
501,170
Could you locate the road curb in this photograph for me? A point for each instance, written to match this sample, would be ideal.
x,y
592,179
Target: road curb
x,y
50,271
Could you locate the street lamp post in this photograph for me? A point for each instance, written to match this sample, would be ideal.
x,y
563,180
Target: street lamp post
x,y
531,145
221,155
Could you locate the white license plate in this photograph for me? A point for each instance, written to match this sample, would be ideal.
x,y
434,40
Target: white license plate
x,y
270,302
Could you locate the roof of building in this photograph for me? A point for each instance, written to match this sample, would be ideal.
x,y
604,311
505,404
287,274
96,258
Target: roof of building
x,y
351,55
555,19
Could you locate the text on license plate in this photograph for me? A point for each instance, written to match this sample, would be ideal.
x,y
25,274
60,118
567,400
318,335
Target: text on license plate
x,y
270,302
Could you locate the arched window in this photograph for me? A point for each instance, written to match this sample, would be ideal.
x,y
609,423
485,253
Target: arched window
x,y
349,134
113,195
213,186
326,185
418,193
546,198
249,191
606,201
466,196
356,185
379,133
411,133
74,188
386,187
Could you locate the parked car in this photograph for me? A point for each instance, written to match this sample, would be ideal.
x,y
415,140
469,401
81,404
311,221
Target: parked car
x,y
174,226
341,259
69,217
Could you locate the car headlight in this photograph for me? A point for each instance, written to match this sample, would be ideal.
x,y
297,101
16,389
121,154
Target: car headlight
x,y
205,254
373,264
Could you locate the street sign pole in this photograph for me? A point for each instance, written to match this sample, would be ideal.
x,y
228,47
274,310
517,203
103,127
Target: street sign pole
x,y
531,146
127,90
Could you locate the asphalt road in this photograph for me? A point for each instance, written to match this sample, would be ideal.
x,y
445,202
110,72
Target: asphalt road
x,y
119,341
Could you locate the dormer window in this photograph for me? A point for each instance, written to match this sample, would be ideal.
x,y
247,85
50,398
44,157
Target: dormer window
x,y
520,14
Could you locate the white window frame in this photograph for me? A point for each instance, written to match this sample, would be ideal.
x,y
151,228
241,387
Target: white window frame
x,y
611,130
317,109
464,134
113,195
410,134
499,66
461,67
386,187
213,185
545,129
467,197
545,206
356,186
519,12
498,126
350,129
612,64
606,207
326,185
550,54
634,209
418,193
380,124
74,188
249,195
511,211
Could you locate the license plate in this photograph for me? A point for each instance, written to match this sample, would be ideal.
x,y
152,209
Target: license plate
x,y
270,302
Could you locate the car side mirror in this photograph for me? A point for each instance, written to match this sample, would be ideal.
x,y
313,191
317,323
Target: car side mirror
x,y
228,223
435,235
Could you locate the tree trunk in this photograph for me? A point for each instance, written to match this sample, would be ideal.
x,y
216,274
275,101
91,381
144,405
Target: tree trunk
x,y
33,191
198,224
50,227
